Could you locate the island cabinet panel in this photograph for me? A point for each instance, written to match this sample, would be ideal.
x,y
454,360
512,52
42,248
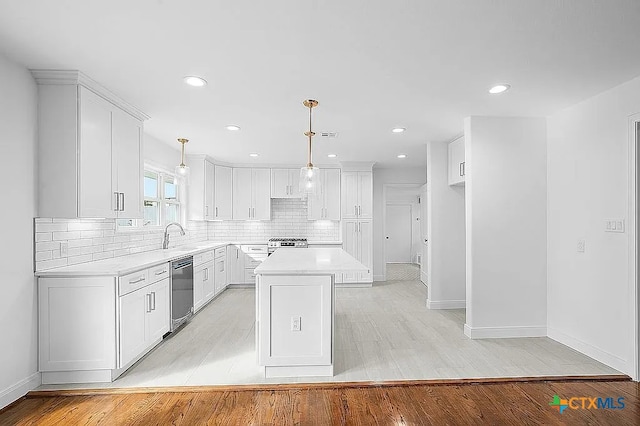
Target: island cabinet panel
x,y
295,315
76,324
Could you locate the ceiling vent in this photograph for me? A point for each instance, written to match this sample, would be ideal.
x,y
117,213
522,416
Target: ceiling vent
x,y
329,135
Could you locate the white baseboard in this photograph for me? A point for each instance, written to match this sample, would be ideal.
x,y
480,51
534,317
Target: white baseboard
x,y
378,277
353,285
446,304
592,351
504,332
20,389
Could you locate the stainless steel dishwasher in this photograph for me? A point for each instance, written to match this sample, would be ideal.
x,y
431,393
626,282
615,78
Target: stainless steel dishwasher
x,y
181,291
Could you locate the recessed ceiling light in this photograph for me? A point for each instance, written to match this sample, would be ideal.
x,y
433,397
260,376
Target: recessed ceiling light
x,y
402,155
233,127
398,129
195,81
254,154
332,155
499,88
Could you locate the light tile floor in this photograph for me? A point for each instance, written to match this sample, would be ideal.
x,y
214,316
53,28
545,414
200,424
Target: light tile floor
x,y
382,333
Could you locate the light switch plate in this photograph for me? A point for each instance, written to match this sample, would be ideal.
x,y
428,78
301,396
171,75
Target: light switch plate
x,y
614,225
581,246
64,249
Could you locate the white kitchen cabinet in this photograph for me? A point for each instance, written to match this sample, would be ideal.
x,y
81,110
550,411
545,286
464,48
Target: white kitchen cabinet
x,y
220,272
456,162
251,194
357,241
254,255
134,308
285,183
203,280
76,326
89,151
235,265
144,318
325,205
201,189
357,195
223,209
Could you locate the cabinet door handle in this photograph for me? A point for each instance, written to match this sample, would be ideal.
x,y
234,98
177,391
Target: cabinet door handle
x,y
206,211
359,210
464,171
139,280
249,212
460,169
216,211
206,274
147,299
355,208
153,297
253,209
122,204
117,196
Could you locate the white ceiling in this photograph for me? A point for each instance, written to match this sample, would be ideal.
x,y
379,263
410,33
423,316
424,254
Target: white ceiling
x,y
372,64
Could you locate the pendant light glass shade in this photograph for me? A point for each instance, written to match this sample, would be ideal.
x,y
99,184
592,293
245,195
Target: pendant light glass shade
x,y
182,170
309,180
309,173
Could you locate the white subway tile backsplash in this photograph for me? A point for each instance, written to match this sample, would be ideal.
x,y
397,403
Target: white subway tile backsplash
x,y
90,240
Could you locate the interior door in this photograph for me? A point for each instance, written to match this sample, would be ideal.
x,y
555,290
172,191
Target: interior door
x,y
424,234
398,233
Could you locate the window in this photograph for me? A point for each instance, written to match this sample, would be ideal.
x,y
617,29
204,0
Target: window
x,y
161,202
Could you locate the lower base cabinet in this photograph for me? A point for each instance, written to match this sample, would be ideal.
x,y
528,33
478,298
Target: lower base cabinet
x,y
144,319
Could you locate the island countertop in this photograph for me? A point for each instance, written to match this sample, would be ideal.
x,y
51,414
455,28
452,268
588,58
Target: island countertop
x,y
309,261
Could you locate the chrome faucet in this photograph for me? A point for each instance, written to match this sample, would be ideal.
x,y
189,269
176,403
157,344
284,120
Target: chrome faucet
x,y
165,242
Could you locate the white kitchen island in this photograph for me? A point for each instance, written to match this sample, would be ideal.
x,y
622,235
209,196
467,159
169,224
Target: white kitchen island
x,y
295,301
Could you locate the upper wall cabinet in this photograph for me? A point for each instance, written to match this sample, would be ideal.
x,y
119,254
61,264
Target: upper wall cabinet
x,y
251,194
456,162
210,188
357,195
223,209
284,183
90,161
325,205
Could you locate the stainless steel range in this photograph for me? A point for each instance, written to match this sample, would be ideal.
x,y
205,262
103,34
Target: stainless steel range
x,y
276,243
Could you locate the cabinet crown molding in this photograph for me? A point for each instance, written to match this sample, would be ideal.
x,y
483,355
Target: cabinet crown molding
x,y
357,166
75,77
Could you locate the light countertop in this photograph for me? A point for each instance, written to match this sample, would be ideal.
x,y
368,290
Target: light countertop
x,y
122,265
309,261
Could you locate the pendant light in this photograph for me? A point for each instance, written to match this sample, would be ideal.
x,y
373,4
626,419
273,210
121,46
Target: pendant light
x,y
182,170
309,173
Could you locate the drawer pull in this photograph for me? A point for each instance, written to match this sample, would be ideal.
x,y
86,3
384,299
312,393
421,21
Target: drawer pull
x,y
138,280
161,272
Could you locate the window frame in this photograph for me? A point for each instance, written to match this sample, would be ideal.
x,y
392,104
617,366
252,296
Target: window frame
x,y
162,177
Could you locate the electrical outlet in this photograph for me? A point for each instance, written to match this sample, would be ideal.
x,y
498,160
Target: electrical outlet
x,y
295,323
64,249
581,246
614,225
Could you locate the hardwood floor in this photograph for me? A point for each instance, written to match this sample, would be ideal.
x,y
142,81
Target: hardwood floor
x,y
485,402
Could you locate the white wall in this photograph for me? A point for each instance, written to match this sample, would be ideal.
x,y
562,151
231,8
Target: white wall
x,y
408,175
445,232
160,154
505,202
18,304
590,295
